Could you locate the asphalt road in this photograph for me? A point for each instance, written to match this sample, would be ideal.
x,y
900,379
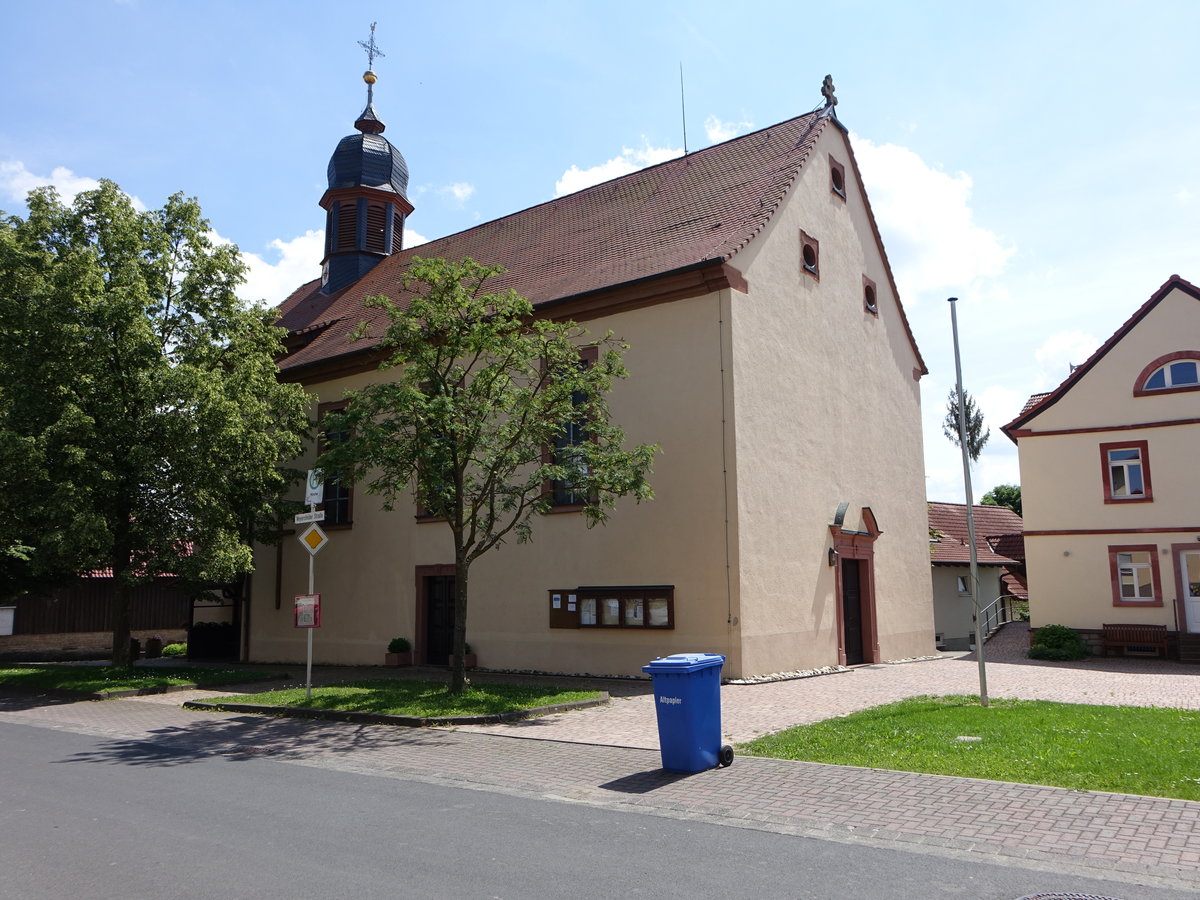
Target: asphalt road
x,y
82,820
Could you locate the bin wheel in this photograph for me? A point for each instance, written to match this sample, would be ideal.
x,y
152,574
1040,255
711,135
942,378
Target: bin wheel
x,y
725,758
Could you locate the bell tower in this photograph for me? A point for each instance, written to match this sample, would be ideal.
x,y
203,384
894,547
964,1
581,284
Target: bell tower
x,y
366,202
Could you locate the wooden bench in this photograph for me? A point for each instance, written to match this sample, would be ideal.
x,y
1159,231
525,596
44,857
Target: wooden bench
x,y
1136,636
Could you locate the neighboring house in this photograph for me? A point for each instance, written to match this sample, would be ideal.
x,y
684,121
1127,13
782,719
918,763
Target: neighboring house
x,y
770,358
1001,561
1109,483
77,617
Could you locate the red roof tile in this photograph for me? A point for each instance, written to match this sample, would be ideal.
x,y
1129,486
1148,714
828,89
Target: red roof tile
x,y
999,533
700,208
1014,583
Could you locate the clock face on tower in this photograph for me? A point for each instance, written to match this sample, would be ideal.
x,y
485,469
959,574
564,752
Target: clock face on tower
x,y
324,273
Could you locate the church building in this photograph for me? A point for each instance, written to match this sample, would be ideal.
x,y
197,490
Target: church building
x,y
771,360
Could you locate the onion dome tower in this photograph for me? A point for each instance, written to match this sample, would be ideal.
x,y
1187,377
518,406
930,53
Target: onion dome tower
x,y
366,202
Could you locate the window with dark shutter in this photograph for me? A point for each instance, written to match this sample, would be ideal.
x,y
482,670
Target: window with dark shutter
x,y
347,221
397,231
376,228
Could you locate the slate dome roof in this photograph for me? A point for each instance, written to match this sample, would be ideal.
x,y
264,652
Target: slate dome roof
x,y
368,160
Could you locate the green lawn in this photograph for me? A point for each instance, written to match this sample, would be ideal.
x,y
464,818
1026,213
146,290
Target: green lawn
x,y
420,699
1125,749
98,679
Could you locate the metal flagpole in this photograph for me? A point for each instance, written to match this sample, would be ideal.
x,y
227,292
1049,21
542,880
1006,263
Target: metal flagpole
x,y
966,463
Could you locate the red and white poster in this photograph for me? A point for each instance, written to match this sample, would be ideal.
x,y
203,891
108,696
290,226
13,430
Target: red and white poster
x,y
308,611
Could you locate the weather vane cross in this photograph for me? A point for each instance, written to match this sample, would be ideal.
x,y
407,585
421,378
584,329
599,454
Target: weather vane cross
x,y
371,48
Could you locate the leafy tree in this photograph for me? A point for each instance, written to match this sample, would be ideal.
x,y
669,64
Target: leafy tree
x,y
976,435
142,427
475,392
1004,495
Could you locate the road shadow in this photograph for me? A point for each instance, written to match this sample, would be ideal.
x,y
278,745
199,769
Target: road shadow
x,y
646,782
15,699
242,738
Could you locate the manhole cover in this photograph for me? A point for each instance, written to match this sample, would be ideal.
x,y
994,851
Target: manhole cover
x,y
1061,896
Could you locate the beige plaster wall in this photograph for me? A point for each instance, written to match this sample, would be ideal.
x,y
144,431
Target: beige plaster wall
x,y
1073,584
674,397
1062,478
827,411
952,611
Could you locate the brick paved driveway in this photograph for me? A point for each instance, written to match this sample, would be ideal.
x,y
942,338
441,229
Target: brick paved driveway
x,y
750,710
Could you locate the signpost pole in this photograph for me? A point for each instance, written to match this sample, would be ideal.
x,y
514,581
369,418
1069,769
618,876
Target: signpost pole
x,y
313,494
308,670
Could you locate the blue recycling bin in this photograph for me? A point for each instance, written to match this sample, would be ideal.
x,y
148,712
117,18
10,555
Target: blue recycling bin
x,y
687,698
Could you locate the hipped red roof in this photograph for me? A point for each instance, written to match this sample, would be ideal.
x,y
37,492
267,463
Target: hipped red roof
x,y
999,535
698,209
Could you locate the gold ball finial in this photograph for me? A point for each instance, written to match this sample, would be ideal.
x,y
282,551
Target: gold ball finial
x,y
369,77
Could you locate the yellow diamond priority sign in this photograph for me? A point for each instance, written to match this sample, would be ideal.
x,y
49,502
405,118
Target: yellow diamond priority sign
x,y
313,538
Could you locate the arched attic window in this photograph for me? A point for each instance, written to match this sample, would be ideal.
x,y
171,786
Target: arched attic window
x,y
1179,371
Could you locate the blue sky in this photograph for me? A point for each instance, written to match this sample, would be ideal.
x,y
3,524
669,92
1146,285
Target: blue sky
x,y
1036,160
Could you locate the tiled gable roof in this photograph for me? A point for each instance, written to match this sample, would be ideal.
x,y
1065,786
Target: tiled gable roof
x,y
999,533
1015,584
1039,402
685,214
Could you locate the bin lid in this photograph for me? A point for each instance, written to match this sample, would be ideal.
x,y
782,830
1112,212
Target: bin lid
x,y
683,662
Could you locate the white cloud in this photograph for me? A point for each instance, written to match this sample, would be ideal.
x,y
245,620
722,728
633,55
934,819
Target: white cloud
x,y
719,131
999,406
461,191
1058,353
297,261
16,182
925,216
576,179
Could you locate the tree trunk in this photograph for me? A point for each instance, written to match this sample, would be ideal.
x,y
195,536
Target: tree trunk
x,y
458,679
119,611
121,655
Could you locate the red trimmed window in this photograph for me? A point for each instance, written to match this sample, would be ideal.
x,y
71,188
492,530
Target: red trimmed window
x,y
1126,468
565,496
870,297
1178,371
837,178
810,255
1133,569
338,501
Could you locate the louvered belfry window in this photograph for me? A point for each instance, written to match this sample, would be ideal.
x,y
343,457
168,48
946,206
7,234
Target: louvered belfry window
x,y
397,231
376,228
347,218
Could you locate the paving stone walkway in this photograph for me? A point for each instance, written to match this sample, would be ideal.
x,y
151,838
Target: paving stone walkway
x,y
608,757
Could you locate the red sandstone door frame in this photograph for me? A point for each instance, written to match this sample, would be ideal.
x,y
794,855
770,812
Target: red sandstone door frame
x,y
421,573
859,546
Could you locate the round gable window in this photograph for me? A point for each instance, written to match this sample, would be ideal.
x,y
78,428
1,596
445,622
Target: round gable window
x,y
839,181
810,257
869,298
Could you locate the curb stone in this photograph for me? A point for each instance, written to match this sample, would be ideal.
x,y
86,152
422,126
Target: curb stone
x,y
332,715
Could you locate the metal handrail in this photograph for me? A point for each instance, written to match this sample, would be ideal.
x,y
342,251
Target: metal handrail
x,y
991,617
